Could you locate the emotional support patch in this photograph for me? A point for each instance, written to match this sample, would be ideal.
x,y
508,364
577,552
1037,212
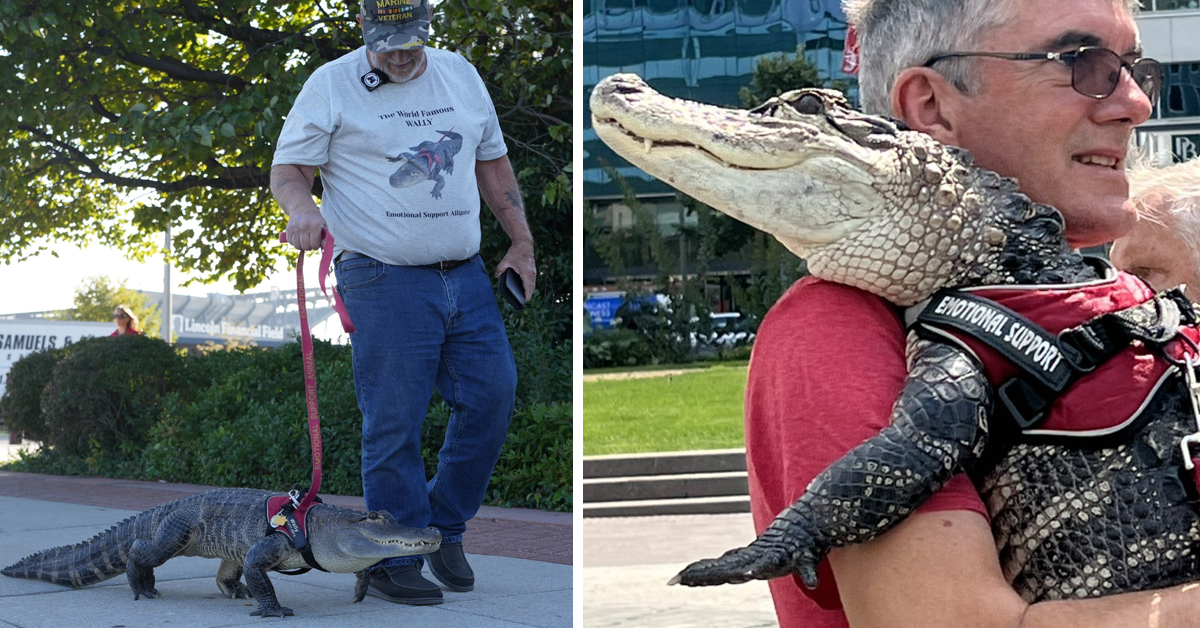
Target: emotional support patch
x,y
1022,341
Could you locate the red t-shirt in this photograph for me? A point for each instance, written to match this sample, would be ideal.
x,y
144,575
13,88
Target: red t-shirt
x,y
128,332
827,367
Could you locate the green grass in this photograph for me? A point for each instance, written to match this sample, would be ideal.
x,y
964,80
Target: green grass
x,y
700,409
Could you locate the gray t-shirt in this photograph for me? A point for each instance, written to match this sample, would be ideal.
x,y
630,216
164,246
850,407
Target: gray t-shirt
x,y
397,163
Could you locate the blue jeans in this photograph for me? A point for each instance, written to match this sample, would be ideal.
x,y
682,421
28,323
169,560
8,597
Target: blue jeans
x,y
417,328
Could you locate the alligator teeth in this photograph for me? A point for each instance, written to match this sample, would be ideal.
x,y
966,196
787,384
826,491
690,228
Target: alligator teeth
x,y
649,143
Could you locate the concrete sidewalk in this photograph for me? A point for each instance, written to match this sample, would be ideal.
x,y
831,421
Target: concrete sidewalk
x,y
522,562
628,560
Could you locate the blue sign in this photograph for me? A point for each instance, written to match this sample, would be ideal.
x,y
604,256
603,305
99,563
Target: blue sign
x,y
602,308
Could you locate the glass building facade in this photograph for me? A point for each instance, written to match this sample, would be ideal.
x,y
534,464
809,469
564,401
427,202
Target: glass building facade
x,y
702,50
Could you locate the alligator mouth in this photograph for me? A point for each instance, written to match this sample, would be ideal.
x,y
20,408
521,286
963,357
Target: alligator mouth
x,y
406,544
651,144
798,158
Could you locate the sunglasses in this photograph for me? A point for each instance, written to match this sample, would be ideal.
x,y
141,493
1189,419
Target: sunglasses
x,y
1095,71
121,315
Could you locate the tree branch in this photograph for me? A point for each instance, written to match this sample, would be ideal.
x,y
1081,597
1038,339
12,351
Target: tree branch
x,y
231,179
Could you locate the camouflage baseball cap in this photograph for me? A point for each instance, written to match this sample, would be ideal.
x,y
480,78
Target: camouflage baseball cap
x,y
395,24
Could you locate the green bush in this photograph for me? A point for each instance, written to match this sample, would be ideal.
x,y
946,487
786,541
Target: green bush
x,y
106,393
246,423
617,347
21,405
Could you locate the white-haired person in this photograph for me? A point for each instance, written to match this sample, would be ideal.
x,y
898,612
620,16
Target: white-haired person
x,y
1163,248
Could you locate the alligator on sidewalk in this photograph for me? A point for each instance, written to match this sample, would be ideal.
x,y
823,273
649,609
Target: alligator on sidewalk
x,y
229,524
1075,511
427,163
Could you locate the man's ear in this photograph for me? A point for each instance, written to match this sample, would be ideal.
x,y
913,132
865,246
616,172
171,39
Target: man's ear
x,y
925,101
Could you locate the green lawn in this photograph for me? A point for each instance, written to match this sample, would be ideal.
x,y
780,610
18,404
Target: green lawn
x,y
699,409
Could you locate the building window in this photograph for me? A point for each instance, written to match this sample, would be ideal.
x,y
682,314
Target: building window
x,y
1170,5
1181,90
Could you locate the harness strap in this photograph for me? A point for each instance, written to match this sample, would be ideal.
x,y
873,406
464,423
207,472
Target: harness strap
x,y
286,518
1048,364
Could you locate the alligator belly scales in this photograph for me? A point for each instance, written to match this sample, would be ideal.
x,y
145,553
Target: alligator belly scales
x,y
871,204
231,525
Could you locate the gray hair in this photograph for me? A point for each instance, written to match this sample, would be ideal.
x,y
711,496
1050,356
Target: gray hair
x,y
897,34
1169,195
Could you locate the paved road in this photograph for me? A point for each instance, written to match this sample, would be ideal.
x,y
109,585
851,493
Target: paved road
x,y
628,560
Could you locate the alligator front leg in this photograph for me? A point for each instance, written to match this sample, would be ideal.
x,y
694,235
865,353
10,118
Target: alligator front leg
x,y
939,424
173,533
263,555
362,581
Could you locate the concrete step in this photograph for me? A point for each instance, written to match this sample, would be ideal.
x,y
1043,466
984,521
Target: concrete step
x,y
668,463
664,486
659,507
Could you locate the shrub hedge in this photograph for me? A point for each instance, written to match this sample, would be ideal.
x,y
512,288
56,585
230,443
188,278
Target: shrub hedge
x,y
21,405
238,418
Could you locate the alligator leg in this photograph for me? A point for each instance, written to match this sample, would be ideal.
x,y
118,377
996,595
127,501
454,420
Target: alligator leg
x,y
229,580
264,555
441,183
174,532
939,424
363,580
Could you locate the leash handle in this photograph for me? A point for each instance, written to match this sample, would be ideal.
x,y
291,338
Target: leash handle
x,y
326,258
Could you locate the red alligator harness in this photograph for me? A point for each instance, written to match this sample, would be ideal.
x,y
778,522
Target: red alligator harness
x,y
1063,358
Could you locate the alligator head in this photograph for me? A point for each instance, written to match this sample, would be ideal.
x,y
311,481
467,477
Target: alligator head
x,y
346,541
866,201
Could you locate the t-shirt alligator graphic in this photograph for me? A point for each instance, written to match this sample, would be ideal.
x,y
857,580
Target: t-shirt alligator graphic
x,y
427,163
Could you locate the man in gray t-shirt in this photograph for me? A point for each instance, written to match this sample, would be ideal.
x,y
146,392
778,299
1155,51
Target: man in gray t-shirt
x,y
407,140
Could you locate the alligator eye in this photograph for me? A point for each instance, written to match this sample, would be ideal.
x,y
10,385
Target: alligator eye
x,y
810,104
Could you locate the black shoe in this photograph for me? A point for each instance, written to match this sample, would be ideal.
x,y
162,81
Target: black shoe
x,y
404,585
450,567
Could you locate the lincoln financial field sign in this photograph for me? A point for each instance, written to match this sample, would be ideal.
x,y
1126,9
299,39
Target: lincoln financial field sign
x,y
222,329
19,338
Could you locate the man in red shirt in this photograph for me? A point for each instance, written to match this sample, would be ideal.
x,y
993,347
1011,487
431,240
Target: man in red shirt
x,y
829,359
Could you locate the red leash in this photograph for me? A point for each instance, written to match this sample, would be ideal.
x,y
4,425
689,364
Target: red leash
x,y
310,367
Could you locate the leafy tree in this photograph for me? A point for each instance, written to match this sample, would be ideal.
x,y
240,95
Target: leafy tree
x,y
524,55
98,296
776,74
173,108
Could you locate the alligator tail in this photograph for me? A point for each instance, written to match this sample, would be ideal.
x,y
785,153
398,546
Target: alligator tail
x,y
94,560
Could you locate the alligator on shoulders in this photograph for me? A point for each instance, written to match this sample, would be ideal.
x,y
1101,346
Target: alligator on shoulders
x,y
427,163
872,204
229,524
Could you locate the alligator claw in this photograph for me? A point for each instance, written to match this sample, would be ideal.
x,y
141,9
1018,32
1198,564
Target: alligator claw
x,y
236,591
754,562
360,585
272,611
149,592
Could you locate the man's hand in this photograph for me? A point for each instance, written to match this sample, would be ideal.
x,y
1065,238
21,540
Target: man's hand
x,y
292,187
520,259
305,229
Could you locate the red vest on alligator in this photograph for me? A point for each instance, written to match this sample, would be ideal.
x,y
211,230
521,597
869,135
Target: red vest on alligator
x,y
1106,399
